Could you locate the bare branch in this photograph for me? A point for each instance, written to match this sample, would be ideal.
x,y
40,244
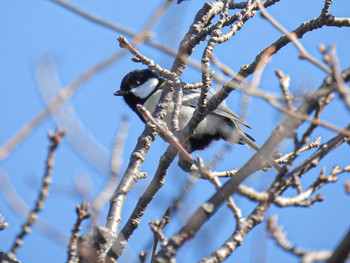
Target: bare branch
x,y
315,144
141,149
343,91
279,236
165,132
3,224
303,199
79,136
326,7
115,164
55,139
322,104
292,37
284,84
256,217
157,228
347,187
132,173
64,95
299,32
214,24
82,214
19,208
207,209
341,253
305,117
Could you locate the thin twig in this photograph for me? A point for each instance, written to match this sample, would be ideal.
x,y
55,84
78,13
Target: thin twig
x,y
132,174
124,43
263,60
231,204
267,3
326,7
247,224
280,237
20,209
3,224
167,135
314,144
223,67
67,92
64,95
116,28
79,136
303,53
207,209
186,48
303,199
196,85
115,163
82,214
340,86
299,32
321,106
347,186
157,228
55,139
284,84
305,117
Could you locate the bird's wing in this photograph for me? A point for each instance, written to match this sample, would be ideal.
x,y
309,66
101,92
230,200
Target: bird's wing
x,y
222,110
191,97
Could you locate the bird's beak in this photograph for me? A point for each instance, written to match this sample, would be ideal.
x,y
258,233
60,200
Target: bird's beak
x,y
120,93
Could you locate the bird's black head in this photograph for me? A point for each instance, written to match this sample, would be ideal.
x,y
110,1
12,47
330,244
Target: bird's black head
x,y
137,86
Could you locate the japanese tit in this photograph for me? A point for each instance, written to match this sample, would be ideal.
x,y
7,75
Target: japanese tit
x,y
145,87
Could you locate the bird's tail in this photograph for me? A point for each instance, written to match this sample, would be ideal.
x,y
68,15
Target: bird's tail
x,y
249,141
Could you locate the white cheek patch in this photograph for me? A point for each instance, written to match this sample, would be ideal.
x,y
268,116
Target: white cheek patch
x,y
144,90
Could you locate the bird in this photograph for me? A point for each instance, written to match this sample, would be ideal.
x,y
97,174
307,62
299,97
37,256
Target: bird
x,y
144,87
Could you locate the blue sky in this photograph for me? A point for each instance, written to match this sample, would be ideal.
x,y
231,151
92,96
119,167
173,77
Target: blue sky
x,y
32,31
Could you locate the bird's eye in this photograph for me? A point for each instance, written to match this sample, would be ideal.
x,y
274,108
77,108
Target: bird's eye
x,y
137,83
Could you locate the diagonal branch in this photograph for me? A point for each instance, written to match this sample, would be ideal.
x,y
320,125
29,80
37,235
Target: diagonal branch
x,y
207,209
